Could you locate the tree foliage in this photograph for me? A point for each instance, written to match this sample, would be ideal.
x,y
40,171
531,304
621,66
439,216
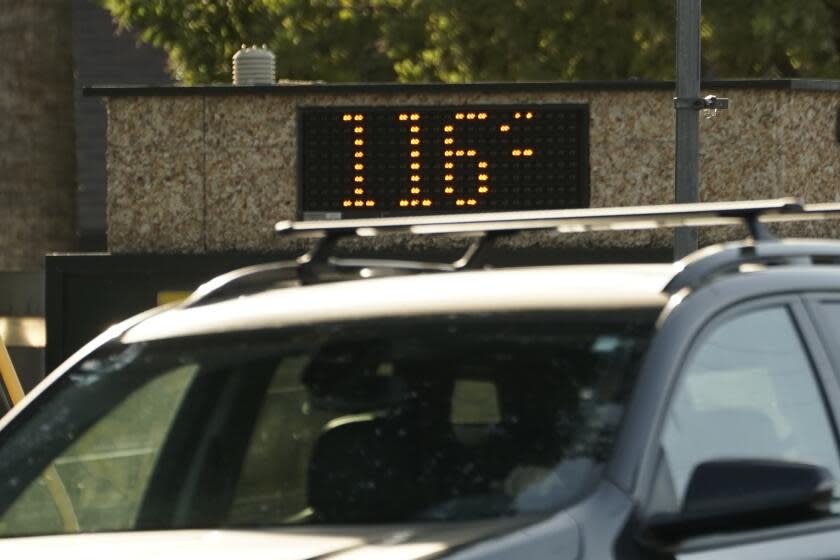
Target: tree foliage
x,y
455,41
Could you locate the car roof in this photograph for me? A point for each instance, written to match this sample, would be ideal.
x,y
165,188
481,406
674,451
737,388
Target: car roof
x,y
513,289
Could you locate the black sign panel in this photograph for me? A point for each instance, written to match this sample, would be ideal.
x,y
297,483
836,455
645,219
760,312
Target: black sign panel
x,y
365,162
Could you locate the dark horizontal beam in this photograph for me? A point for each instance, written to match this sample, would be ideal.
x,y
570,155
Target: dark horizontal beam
x,y
480,87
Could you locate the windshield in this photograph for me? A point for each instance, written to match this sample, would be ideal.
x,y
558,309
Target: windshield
x,y
462,417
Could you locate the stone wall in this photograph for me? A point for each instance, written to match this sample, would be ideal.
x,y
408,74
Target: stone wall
x,y
37,157
207,170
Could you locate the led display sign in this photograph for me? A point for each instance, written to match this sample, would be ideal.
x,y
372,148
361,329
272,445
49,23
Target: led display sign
x,y
365,162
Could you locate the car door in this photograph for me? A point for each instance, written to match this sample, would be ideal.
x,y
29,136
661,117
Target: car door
x,y
756,384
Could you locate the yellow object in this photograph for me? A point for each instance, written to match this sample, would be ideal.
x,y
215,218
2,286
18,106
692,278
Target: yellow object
x,y
55,485
9,375
62,500
29,332
173,296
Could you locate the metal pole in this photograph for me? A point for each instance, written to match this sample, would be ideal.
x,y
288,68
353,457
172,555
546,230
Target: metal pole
x,y
688,127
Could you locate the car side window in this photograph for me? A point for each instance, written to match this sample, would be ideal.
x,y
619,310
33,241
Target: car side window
x,y
98,482
748,390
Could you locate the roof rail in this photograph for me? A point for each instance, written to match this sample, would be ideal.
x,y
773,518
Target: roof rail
x,y
710,262
244,281
318,265
704,265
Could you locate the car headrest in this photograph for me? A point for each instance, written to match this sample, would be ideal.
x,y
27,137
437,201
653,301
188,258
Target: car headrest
x,y
365,470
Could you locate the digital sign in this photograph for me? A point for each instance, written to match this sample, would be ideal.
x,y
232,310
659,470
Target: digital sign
x,y
397,161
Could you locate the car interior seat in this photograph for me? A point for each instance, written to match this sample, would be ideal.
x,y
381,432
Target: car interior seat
x,y
365,470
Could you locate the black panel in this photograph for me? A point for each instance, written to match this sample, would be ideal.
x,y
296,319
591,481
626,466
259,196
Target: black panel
x,y
396,161
85,294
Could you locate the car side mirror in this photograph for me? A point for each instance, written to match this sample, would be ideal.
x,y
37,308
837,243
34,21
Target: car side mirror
x,y
740,494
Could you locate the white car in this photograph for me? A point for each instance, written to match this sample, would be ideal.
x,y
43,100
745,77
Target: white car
x,y
604,411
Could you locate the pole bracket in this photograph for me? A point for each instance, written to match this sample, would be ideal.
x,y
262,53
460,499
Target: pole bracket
x,y
710,102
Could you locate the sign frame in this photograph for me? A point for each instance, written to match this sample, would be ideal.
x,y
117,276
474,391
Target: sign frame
x,y
582,111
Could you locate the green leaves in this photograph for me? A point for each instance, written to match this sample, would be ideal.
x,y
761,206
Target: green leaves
x,y
773,38
454,41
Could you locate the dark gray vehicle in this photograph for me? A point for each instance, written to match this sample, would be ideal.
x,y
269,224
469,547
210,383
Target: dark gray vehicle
x,y
589,411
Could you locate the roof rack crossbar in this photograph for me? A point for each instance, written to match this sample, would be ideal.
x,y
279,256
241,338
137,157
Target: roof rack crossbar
x,y
254,278
758,231
575,220
413,265
313,263
317,264
469,259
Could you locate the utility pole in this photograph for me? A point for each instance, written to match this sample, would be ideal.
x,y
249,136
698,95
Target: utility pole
x,y
688,126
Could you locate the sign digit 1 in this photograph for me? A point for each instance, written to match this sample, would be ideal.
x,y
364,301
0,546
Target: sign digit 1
x,y
360,198
415,176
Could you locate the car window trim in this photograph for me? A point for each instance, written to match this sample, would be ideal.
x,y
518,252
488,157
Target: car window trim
x,y
183,468
826,384
814,304
822,353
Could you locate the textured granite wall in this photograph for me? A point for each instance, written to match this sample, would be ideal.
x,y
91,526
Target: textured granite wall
x,y
213,173
37,156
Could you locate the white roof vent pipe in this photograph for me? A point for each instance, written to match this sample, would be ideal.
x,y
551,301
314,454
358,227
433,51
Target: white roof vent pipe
x,y
253,66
